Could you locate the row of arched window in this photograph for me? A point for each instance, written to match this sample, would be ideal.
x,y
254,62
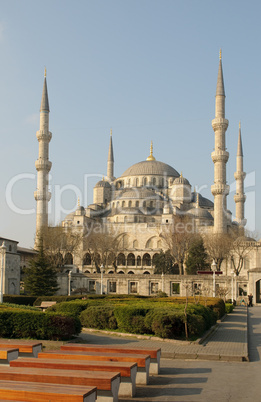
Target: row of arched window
x,y
135,204
130,260
142,181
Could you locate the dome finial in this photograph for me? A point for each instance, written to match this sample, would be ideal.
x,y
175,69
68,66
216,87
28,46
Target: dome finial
x,y
44,72
151,157
78,202
111,132
220,54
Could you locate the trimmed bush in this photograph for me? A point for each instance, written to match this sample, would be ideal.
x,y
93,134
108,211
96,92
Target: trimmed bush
x,y
71,308
98,317
15,323
18,299
127,320
229,308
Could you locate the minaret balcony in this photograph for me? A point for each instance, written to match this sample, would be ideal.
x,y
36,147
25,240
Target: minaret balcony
x,y
42,135
239,198
42,195
219,123
219,189
239,175
43,164
220,156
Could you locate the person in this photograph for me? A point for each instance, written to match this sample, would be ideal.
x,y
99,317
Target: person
x,y
250,300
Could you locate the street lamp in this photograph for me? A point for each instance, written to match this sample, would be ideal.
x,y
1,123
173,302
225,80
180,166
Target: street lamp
x,y
69,282
232,286
214,268
101,277
3,251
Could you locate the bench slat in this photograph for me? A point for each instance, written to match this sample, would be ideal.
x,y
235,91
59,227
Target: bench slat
x,y
32,392
25,347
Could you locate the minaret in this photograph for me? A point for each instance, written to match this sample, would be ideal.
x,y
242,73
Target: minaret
x,y
220,156
110,162
240,175
43,166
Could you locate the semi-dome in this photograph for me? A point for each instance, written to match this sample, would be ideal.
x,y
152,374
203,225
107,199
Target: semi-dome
x,y
181,180
200,213
151,168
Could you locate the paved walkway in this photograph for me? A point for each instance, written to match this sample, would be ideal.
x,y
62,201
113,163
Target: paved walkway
x,y
228,341
204,380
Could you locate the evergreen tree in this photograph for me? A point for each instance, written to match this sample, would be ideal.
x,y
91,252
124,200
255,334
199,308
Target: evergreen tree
x,y
164,263
197,259
40,276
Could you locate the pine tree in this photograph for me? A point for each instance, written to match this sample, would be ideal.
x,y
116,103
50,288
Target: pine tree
x,y
40,276
164,263
197,259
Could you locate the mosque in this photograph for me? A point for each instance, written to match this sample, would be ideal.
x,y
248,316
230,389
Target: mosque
x,y
146,198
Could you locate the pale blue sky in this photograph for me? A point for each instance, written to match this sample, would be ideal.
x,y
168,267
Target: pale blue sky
x,y
145,68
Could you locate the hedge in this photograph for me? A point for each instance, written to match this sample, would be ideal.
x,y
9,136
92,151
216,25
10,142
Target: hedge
x,y
17,323
18,299
99,317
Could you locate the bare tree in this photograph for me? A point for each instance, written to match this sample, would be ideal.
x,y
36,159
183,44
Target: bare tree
x,y
240,248
179,237
58,241
102,245
218,247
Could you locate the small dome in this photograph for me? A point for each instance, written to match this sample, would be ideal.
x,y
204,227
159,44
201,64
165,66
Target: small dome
x,y
151,168
203,202
181,180
200,213
103,183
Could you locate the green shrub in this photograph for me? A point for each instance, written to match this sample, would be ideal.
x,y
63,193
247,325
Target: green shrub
x,y
168,325
18,299
72,308
100,317
229,308
127,321
15,323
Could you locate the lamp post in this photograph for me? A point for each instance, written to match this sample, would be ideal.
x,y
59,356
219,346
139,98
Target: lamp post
x,y
162,281
3,251
214,267
101,277
232,286
69,282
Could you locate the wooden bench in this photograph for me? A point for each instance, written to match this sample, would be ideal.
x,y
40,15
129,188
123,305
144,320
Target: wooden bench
x,y
127,370
26,348
107,383
45,304
8,354
143,361
36,392
153,353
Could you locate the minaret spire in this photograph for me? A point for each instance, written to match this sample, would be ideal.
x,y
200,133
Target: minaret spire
x,y
240,175
110,162
43,166
220,156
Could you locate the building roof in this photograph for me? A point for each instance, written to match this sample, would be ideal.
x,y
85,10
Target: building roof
x,y
150,167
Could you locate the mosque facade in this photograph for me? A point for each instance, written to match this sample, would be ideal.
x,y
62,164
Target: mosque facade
x,y
137,207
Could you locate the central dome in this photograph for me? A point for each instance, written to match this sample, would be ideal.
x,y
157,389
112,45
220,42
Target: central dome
x,y
151,167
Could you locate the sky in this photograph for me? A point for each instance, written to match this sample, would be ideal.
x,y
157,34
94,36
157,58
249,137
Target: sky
x,y
145,69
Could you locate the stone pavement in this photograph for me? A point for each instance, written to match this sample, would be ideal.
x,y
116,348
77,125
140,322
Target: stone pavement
x,y
203,380
227,341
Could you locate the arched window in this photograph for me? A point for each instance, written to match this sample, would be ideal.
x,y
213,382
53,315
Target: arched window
x,y
131,273
128,183
59,260
129,204
86,272
121,259
120,272
138,261
110,259
131,260
154,181
87,260
146,260
137,204
146,273
136,182
118,204
113,205
123,204
145,181
151,204
135,244
68,259
153,258
144,204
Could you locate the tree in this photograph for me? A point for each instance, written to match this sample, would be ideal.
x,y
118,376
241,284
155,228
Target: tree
x,y
102,245
197,259
218,247
178,238
240,248
40,276
164,263
58,241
